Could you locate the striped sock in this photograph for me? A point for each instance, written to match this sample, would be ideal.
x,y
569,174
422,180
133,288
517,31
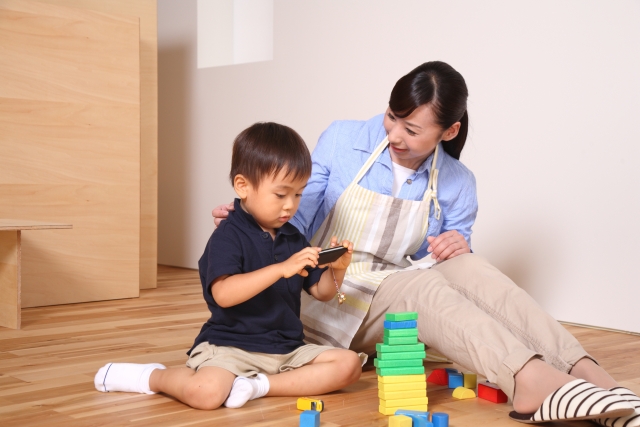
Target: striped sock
x,y
632,420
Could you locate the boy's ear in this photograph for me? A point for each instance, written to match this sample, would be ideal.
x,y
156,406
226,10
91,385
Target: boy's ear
x,y
241,186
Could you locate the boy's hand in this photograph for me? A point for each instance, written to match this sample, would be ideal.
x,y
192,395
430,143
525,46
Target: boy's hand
x,y
298,261
343,262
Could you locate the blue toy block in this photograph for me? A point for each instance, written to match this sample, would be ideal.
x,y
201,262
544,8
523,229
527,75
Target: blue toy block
x,y
440,419
405,324
454,371
420,419
456,380
310,419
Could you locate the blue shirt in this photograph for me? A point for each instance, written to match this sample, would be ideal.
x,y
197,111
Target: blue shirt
x,y
340,153
270,321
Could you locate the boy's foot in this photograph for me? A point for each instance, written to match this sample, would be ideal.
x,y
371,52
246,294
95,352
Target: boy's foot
x,y
131,377
245,389
632,420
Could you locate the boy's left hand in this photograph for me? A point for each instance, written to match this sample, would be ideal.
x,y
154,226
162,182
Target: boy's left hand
x,y
343,262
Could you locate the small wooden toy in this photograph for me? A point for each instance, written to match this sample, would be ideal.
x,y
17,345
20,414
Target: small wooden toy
x,y
393,387
405,355
417,414
390,410
463,393
400,421
470,381
492,393
408,370
440,419
399,340
455,380
308,404
396,379
400,317
389,324
310,419
384,348
400,363
439,376
413,332
405,394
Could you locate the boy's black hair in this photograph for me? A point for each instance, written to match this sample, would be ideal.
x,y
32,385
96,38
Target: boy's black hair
x,y
265,149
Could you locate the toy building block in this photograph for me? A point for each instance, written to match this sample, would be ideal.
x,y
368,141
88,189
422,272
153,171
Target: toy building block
x,y
470,381
385,348
389,388
308,404
463,393
399,317
439,376
310,419
453,370
417,414
402,355
440,419
407,370
389,324
404,394
395,379
413,332
400,363
418,421
492,393
390,410
400,421
401,403
399,340
455,380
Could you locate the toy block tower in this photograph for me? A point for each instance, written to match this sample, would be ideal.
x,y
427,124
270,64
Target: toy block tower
x,y
402,383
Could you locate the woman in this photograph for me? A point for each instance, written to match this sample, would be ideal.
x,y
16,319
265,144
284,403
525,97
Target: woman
x,y
395,179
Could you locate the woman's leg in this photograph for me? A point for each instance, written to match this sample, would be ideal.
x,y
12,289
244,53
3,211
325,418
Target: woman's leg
x,y
331,370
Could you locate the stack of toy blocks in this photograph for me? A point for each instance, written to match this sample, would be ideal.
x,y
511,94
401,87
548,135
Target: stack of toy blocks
x,y
399,364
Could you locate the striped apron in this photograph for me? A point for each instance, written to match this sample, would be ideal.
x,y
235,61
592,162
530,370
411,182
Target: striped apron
x,y
384,230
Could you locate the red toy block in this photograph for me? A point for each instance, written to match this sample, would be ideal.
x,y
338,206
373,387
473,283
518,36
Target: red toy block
x,y
439,376
491,392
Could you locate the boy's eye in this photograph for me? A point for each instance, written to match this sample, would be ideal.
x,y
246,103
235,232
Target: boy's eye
x,y
299,195
280,196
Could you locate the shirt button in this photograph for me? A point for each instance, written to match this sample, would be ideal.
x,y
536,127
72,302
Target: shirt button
x,y
276,257
409,181
265,235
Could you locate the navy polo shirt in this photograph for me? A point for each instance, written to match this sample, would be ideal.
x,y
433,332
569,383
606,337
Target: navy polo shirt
x,y
270,321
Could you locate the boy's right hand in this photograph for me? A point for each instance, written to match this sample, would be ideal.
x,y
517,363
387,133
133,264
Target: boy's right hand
x,y
221,212
308,257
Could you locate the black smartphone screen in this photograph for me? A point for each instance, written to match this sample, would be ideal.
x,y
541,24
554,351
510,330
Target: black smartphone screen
x,y
329,255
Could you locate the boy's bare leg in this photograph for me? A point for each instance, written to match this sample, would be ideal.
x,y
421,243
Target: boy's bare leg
x,y
331,370
207,388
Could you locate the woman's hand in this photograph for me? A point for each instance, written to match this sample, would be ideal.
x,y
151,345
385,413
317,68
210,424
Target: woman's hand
x,y
343,262
308,257
221,212
448,245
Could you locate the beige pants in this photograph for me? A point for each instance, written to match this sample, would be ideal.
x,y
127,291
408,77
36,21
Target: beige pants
x,y
474,315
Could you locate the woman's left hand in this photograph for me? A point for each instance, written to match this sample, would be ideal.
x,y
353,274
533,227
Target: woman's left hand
x,y
447,245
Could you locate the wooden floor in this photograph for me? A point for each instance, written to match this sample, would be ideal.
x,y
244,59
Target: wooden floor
x,y
47,368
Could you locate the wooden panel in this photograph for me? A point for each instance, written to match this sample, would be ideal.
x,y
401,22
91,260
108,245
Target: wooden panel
x,y
147,12
14,224
70,138
10,279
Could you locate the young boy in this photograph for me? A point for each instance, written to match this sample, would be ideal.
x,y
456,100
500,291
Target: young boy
x,y
253,270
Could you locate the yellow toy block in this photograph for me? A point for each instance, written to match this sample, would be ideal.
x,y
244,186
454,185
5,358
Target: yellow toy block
x,y
406,394
394,379
402,387
384,410
405,402
463,393
400,421
470,381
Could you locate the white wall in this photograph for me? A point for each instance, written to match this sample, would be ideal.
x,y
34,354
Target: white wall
x,y
554,101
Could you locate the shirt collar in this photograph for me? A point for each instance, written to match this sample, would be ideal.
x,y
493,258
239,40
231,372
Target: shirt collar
x,y
246,220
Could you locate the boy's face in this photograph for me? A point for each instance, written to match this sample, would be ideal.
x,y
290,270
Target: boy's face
x,y
274,201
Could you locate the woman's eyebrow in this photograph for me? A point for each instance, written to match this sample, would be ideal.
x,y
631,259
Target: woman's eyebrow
x,y
413,125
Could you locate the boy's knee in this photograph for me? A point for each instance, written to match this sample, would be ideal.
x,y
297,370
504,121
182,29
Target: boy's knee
x,y
204,395
352,368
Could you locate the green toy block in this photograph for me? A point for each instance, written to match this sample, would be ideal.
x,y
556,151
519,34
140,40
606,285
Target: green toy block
x,y
409,370
402,355
397,363
412,332
400,340
384,348
399,317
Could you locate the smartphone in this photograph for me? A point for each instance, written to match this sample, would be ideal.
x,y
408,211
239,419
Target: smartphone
x,y
329,255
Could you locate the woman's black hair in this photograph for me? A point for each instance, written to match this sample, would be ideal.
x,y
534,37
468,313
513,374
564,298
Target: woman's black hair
x,y
265,149
444,89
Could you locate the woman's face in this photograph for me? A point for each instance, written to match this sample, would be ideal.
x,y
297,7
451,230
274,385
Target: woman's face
x,y
413,138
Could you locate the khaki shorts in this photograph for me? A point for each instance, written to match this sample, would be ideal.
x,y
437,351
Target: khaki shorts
x,y
248,364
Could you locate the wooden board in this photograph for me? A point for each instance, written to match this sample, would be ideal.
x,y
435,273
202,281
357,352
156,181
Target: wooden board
x,y
14,224
70,138
10,278
147,12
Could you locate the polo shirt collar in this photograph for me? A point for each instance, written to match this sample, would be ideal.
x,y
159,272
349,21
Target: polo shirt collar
x,y
249,222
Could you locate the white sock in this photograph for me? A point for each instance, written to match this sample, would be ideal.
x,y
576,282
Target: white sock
x,y
131,377
245,389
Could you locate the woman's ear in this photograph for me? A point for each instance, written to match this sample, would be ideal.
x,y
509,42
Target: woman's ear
x,y
452,132
241,186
